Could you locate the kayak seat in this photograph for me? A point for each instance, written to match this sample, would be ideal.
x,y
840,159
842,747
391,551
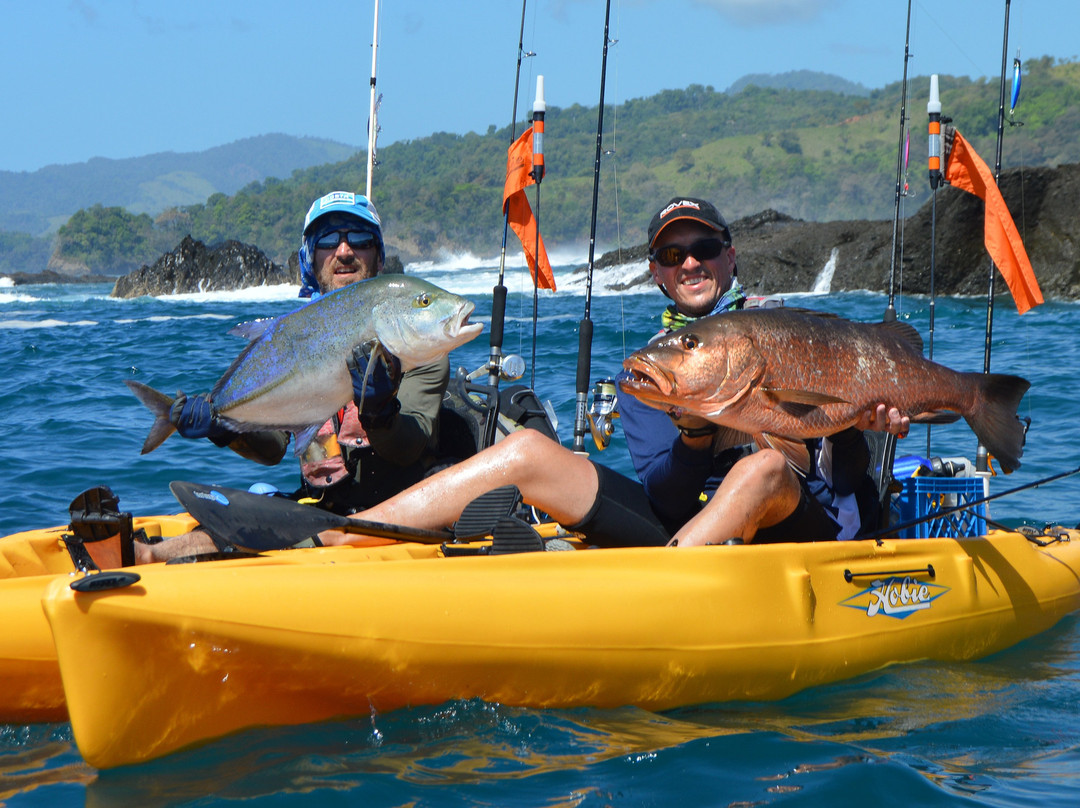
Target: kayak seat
x,y
882,447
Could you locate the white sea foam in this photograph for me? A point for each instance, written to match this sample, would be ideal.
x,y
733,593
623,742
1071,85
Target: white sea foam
x,y
277,292
17,297
29,325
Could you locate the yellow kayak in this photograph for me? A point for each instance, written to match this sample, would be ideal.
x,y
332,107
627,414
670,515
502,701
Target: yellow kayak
x,y
30,686
190,653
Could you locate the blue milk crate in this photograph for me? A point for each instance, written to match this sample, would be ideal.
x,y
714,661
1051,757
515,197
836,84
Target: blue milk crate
x,y
923,496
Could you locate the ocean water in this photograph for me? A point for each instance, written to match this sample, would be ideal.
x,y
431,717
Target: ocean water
x,y
1004,731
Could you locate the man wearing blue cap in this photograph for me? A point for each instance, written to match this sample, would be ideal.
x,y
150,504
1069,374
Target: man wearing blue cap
x,y
364,454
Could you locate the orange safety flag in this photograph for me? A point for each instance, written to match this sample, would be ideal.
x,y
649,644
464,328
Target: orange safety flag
x,y
967,171
519,166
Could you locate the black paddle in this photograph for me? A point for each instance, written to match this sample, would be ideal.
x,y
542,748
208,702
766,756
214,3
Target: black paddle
x,y
258,522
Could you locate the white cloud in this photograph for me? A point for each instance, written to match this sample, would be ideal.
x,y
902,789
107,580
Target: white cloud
x,y
769,12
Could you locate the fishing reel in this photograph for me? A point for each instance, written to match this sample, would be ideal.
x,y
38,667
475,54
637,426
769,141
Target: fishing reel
x,y
603,411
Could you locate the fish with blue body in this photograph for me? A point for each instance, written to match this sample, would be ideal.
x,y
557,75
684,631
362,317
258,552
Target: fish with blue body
x,y
293,375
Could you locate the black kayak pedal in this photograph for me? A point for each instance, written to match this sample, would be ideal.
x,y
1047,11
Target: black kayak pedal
x,y
482,514
511,535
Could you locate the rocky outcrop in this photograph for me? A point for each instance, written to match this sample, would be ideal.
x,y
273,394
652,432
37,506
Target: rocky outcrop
x,y
48,276
777,254
194,267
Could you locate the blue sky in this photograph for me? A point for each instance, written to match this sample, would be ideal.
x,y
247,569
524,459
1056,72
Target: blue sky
x,y
125,78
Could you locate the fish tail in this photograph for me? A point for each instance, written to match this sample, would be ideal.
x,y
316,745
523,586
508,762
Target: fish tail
x,y
993,418
159,404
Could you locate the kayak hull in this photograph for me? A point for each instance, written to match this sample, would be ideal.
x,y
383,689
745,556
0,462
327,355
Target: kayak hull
x,y
31,690
189,654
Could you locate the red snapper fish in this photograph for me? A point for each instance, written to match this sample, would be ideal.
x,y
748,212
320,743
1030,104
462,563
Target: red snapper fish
x,y
783,375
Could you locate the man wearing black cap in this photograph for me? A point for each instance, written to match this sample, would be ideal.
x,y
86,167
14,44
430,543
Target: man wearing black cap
x,y
751,496
758,497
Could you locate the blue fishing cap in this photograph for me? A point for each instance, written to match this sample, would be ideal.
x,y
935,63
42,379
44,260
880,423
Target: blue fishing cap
x,y
334,211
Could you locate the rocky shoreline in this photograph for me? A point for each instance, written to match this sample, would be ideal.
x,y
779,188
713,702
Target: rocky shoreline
x,y
776,254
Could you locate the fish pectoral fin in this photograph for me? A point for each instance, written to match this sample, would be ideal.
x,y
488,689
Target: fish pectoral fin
x,y
793,450
252,329
936,417
796,403
788,396
304,437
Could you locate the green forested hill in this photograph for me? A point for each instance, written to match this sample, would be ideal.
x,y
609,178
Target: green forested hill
x,y
812,154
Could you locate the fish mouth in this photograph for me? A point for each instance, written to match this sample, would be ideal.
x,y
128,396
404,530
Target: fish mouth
x,y
459,327
647,380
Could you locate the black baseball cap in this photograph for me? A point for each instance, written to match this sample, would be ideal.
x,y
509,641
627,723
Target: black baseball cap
x,y
685,207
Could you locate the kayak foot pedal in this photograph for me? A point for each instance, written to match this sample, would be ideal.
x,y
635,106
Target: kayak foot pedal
x,y
508,535
482,514
514,536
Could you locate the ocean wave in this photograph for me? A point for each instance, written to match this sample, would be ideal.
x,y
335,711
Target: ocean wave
x,y
29,325
17,297
256,294
163,318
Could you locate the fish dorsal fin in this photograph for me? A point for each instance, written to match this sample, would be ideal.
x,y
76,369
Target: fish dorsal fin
x,y
252,329
904,332
794,451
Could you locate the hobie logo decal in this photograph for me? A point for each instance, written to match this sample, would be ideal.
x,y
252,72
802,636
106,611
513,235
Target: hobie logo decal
x,y
213,496
895,597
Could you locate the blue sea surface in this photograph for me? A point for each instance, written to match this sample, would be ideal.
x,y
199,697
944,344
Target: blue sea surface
x,y
1003,731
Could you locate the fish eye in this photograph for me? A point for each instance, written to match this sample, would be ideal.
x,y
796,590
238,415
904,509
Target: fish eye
x,y
422,301
690,341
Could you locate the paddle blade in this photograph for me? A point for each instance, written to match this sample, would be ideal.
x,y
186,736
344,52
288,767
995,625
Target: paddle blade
x,y
258,522
252,521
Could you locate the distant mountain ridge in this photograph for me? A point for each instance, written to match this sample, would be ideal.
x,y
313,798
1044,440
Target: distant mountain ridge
x,y
800,80
38,202
816,155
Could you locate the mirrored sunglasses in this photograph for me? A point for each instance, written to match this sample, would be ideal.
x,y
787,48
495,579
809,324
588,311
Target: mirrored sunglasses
x,y
673,255
358,240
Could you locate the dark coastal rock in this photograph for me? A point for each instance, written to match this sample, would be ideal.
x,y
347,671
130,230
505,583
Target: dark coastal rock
x,y
194,267
776,254
49,276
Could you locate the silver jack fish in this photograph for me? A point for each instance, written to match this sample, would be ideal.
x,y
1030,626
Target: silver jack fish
x,y
292,375
782,375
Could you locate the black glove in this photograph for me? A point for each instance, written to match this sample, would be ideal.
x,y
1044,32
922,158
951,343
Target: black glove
x,y
194,418
375,382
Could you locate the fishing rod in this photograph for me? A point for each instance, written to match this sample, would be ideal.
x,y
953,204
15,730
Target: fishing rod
x,y
933,112
498,293
963,506
890,310
585,330
372,126
539,111
982,460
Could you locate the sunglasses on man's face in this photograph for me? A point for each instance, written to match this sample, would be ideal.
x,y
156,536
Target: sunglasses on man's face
x,y
358,240
673,255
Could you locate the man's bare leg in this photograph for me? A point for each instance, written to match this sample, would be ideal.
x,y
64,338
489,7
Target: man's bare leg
x,y
549,476
761,490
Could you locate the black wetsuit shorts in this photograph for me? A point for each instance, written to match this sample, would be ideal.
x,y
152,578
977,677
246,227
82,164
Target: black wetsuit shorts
x,y
621,517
